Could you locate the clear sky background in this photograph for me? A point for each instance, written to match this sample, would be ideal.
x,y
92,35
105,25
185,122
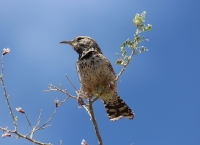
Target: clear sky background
x,y
162,85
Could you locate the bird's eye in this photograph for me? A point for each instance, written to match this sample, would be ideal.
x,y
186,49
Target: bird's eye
x,y
79,38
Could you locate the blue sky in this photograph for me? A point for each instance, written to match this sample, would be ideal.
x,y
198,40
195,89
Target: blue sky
x,y
161,85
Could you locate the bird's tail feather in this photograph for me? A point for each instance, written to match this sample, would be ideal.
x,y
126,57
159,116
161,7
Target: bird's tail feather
x,y
118,109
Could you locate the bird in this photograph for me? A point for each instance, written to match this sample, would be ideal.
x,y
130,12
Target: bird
x,y
97,77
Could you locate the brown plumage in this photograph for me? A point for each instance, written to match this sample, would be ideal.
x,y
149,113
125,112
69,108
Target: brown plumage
x,y
98,77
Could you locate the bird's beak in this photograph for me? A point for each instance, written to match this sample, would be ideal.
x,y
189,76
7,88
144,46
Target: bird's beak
x,y
66,42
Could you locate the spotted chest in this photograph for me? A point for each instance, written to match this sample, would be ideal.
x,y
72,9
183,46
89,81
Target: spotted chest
x,y
95,72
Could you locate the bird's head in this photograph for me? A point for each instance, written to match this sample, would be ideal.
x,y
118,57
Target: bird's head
x,y
83,45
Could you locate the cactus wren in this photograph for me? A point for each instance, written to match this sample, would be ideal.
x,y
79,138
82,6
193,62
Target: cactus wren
x,y
97,77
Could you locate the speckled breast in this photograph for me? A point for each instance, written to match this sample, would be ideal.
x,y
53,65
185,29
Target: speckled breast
x,y
95,73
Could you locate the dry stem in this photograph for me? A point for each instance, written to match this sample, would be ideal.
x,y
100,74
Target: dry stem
x,y
6,96
95,123
34,129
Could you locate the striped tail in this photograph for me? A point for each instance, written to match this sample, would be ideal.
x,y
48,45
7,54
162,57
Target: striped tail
x,y
118,109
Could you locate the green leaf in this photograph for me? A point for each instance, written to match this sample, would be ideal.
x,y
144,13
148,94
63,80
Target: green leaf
x,y
120,62
138,21
124,44
149,27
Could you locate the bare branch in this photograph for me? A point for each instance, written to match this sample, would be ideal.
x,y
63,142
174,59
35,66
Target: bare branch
x,y
38,122
28,120
95,123
88,108
88,111
54,88
6,95
48,120
45,127
23,136
7,134
61,103
3,129
71,82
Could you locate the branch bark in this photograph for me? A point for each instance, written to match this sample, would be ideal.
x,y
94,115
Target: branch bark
x,y
95,123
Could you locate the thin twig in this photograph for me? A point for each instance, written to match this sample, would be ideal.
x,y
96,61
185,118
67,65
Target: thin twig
x,y
12,115
3,129
28,120
6,96
61,103
38,122
54,88
95,123
88,111
48,120
118,55
23,136
71,82
45,127
2,65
